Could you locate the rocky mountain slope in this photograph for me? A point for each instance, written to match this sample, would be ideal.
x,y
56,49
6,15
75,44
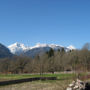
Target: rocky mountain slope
x,y
4,51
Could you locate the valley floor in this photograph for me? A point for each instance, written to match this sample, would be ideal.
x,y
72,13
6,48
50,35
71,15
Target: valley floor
x,y
63,80
39,85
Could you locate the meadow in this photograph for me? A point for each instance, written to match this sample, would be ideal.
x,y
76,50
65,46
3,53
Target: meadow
x,y
62,76
60,84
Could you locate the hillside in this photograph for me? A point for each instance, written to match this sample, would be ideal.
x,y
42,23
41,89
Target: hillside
x,y
4,51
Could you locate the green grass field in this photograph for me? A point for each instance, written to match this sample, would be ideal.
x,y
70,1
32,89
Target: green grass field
x,y
4,77
60,84
63,80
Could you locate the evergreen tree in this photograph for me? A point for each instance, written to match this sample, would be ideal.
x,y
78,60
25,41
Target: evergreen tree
x,y
50,53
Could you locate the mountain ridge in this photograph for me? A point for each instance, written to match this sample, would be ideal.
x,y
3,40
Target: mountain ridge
x,y
4,51
19,48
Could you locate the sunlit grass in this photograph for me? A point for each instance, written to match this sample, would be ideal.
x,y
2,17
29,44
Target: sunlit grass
x,y
22,76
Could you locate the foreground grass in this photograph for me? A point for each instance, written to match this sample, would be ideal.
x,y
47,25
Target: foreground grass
x,y
4,77
63,79
39,85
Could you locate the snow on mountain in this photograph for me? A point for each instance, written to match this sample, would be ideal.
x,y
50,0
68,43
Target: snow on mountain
x,y
17,48
71,47
53,46
38,45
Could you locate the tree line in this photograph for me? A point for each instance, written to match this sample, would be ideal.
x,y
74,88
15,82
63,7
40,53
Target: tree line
x,y
51,61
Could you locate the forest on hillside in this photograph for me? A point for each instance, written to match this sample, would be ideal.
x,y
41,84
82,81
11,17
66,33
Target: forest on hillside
x,y
52,61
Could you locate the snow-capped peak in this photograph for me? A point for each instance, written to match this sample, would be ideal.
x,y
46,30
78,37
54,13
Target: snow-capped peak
x,y
17,47
38,45
71,47
54,46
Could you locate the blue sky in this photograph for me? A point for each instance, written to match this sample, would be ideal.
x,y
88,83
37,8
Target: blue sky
x,y
63,22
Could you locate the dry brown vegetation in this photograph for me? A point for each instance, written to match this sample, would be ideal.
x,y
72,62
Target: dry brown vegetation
x,y
52,61
40,85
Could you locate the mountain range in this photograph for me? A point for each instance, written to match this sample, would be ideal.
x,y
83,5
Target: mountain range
x,y
38,49
19,48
